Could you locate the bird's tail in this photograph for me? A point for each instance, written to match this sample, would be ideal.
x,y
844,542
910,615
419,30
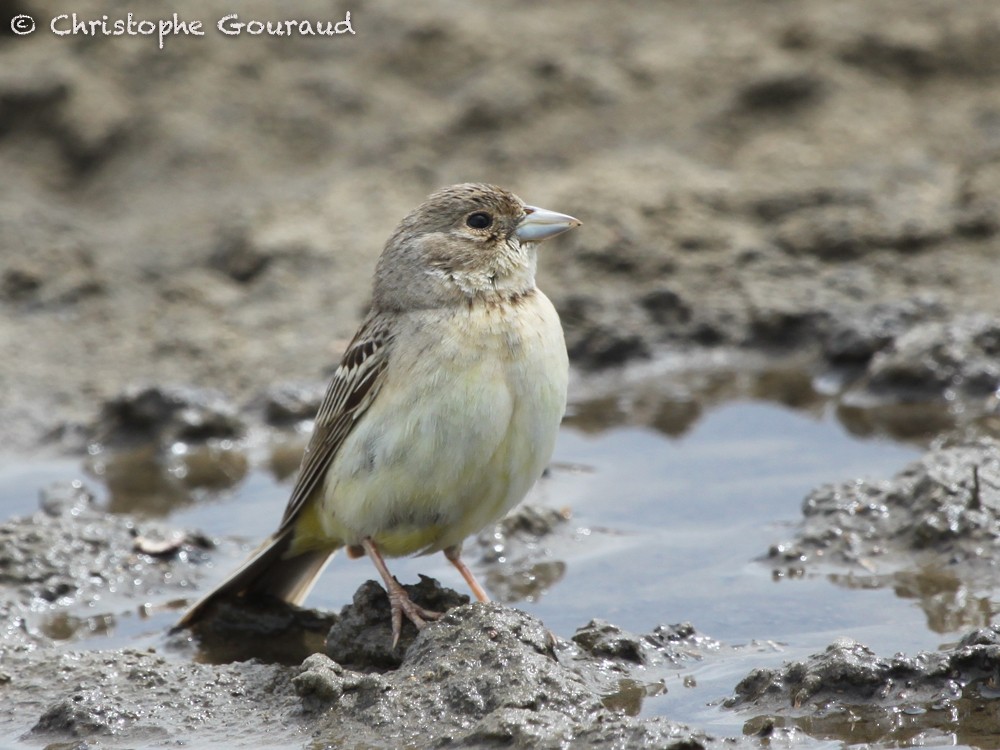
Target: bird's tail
x,y
271,570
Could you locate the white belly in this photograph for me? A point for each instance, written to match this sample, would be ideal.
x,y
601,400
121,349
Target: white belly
x,y
462,427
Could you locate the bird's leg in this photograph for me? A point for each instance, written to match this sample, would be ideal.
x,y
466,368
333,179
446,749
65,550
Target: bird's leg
x,y
454,557
399,601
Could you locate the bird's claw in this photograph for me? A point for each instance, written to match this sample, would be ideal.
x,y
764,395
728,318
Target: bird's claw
x,y
401,604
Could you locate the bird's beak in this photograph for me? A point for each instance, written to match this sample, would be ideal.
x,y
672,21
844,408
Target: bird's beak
x,y
540,224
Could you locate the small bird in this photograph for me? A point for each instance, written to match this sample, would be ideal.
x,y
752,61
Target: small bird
x,y
443,411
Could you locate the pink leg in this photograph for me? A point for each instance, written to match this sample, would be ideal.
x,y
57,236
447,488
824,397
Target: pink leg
x,y
399,600
453,555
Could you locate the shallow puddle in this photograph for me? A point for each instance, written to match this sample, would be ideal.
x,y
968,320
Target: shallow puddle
x,y
663,529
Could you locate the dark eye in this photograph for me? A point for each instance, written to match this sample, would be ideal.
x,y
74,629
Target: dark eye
x,y
479,220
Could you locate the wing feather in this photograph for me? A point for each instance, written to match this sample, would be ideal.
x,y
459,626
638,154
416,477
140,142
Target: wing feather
x,y
352,389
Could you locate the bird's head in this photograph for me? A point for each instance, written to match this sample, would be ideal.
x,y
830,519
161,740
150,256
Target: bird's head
x,y
464,242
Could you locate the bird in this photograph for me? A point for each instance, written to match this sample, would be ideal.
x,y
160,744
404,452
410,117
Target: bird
x,y
443,411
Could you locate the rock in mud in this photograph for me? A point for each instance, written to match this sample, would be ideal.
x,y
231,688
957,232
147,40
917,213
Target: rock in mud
x,y
959,357
667,644
853,338
165,414
287,404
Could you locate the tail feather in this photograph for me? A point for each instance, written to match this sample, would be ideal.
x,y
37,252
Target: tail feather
x,y
269,571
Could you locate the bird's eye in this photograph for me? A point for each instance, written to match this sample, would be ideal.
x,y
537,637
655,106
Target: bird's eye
x,y
479,220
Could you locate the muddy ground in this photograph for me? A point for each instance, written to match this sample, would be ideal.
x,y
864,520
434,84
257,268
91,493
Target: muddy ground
x,y
186,237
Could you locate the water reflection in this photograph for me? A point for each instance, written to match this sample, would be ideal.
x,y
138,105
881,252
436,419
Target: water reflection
x,y
969,721
147,481
630,694
266,630
904,422
673,404
152,481
63,626
949,603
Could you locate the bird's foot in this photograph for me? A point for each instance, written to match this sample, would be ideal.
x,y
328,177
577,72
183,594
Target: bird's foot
x,y
401,604
399,601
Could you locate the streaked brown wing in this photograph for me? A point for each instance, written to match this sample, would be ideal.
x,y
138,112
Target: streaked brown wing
x,y
353,387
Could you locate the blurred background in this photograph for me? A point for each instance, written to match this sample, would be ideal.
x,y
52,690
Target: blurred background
x,y
799,175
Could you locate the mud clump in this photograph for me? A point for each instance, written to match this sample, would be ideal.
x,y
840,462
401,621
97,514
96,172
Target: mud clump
x,y
490,676
935,360
130,697
362,636
850,692
946,506
667,644
930,534
165,415
75,559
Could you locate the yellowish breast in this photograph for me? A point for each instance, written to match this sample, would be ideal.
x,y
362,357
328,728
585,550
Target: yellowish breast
x,y
463,426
